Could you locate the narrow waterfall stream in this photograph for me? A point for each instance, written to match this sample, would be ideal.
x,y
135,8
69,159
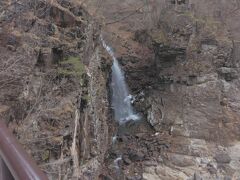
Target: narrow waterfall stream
x,y
131,126
120,102
120,99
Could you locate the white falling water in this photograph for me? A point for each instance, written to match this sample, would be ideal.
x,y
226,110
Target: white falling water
x,y
121,99
117,161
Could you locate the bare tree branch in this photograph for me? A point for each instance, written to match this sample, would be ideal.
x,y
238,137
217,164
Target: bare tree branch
x,y
125,17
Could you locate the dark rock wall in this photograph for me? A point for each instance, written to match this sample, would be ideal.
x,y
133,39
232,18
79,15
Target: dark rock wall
x,y
181,60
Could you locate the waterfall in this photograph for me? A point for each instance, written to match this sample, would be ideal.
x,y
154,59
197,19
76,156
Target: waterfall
x,y
121,99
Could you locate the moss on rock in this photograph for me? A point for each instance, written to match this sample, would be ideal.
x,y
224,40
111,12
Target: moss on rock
x,y
72,66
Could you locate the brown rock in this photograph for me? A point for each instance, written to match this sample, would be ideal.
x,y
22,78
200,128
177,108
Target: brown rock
x,y
222,158
62,16
136,156
126,160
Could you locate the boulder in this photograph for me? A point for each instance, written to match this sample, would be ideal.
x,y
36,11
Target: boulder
x,y
222,158
136,156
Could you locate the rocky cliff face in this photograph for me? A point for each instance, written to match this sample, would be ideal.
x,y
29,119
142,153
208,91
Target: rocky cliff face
x,y
181,60
53,86
197,94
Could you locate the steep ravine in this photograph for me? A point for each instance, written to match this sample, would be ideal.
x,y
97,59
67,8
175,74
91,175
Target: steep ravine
x,y
53,93
181,63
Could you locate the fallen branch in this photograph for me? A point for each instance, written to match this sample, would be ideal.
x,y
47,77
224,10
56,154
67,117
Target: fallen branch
x,y
57,162
125,17
74,152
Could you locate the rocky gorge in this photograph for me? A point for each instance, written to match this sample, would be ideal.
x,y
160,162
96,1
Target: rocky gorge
x,y
180,60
